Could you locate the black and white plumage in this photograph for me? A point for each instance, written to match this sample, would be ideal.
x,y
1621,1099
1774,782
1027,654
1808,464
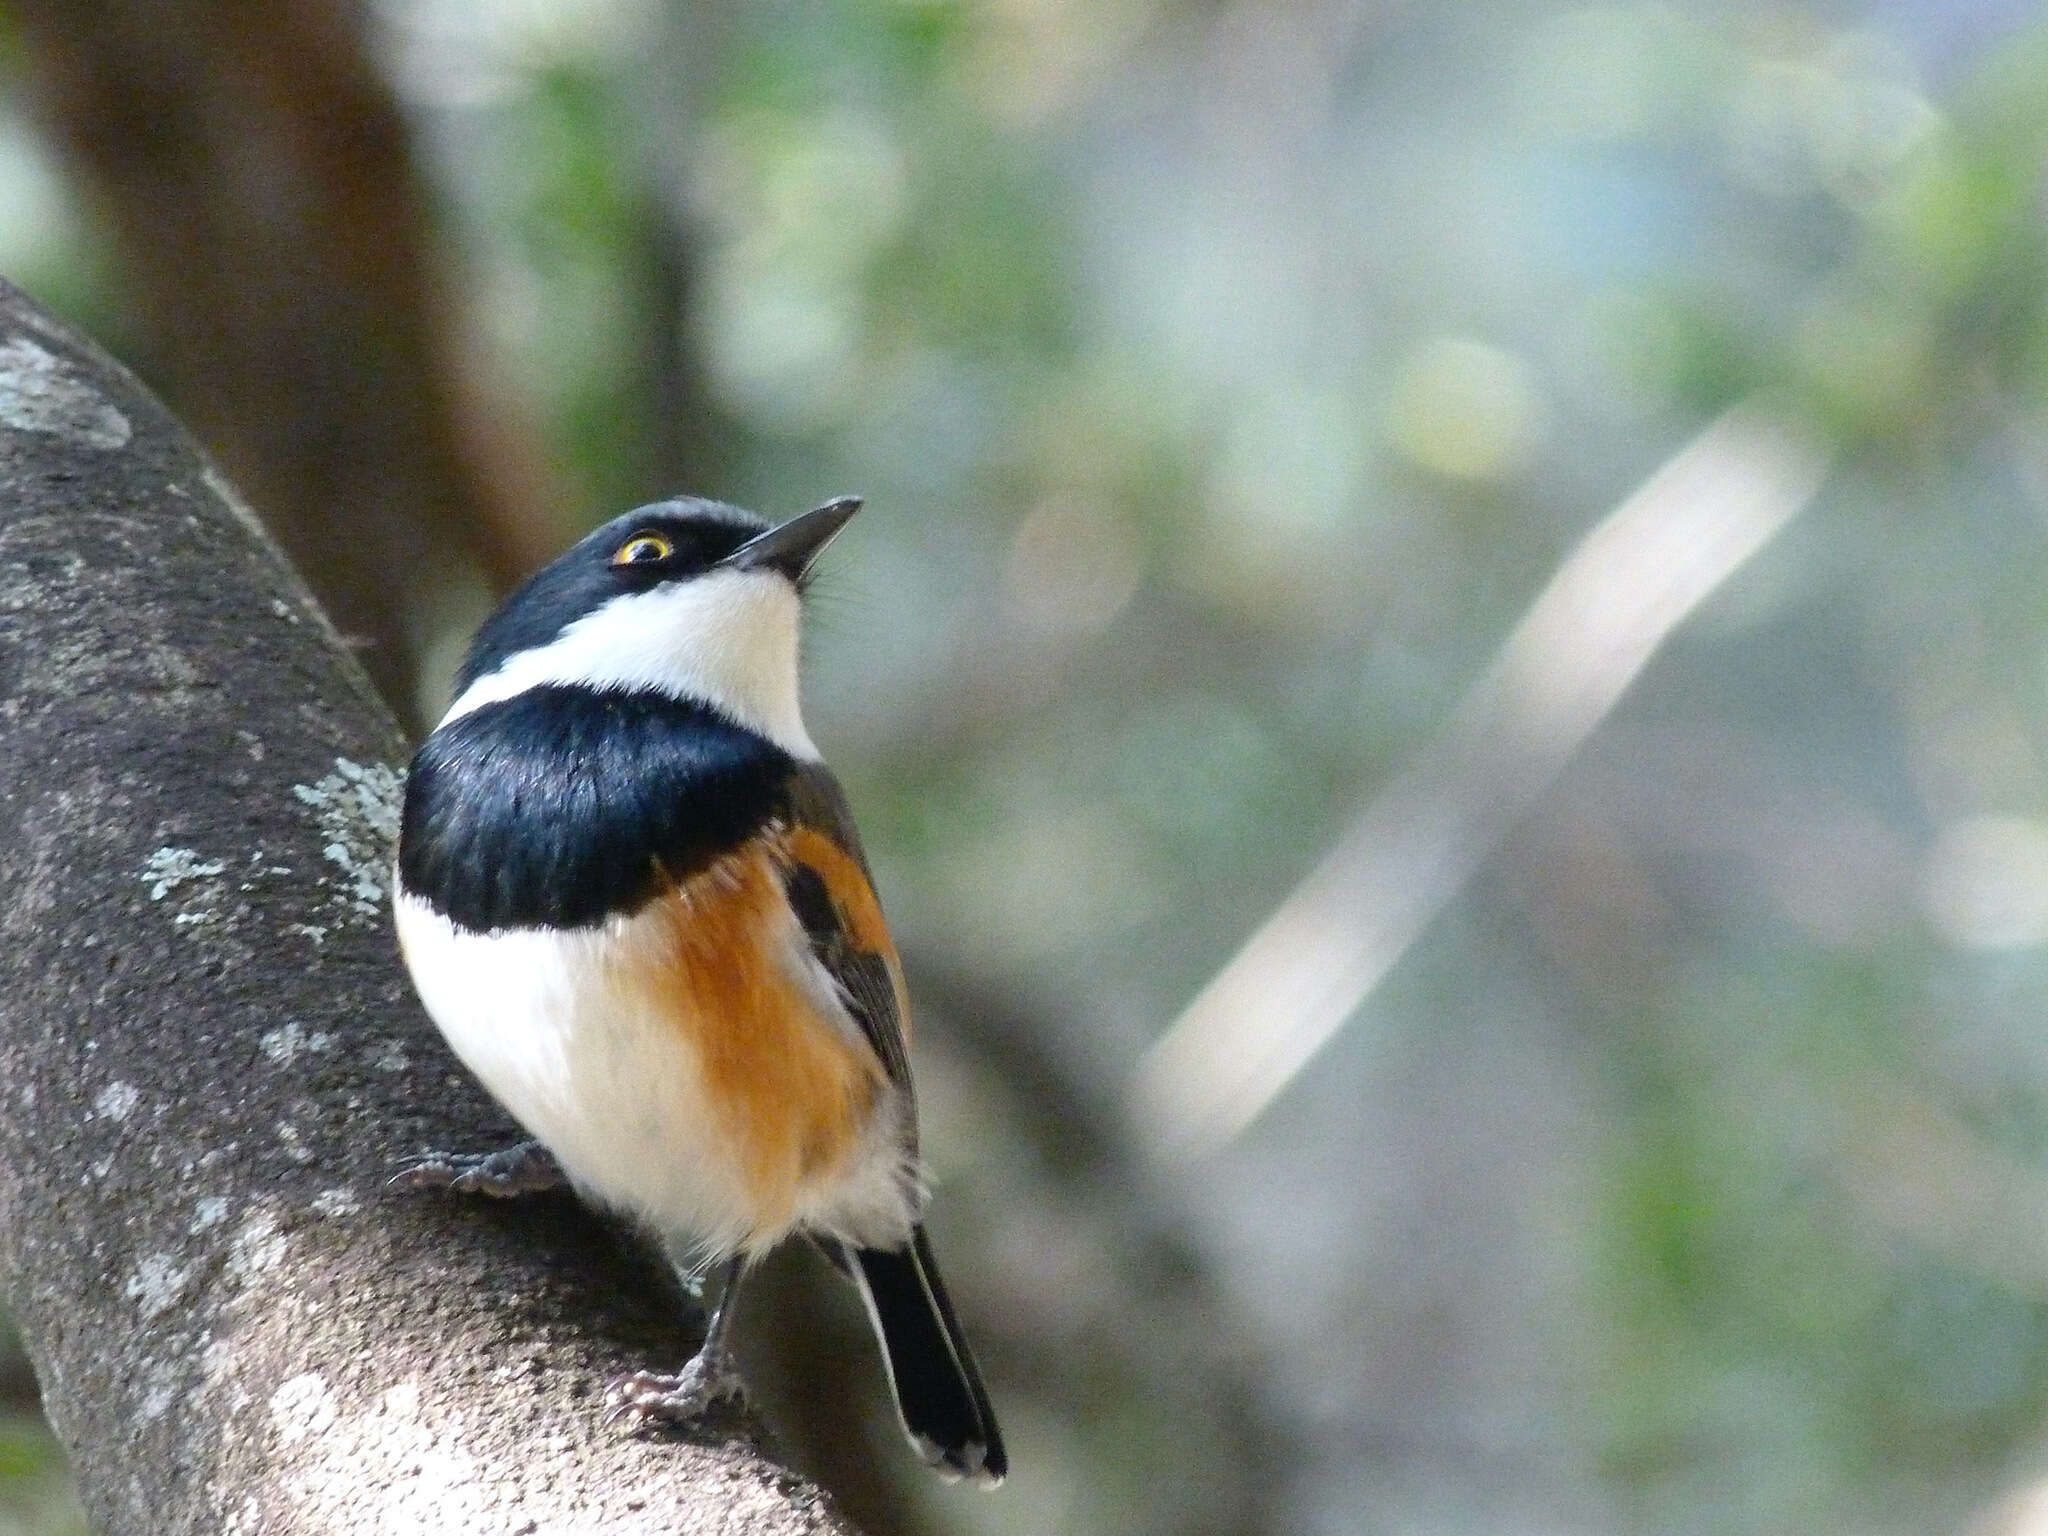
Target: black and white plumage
x,y
632,897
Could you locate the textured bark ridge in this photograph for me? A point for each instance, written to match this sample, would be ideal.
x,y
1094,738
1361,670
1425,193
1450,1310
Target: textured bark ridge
x,y
210,1060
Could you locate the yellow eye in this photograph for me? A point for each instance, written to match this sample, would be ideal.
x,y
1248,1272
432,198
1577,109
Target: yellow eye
x,y
643,549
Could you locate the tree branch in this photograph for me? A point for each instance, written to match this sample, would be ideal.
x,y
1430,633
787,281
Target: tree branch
x,y
1605,611
211,1061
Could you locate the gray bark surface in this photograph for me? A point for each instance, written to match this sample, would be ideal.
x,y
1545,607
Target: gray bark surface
x,y
210,1060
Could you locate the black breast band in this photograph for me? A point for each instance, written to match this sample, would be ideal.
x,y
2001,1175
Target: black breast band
x,y
562,806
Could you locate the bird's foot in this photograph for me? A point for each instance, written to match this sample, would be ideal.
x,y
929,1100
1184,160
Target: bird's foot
x,y
527,1169
649,1399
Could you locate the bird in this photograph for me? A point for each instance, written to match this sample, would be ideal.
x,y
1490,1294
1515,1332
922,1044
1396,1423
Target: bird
x,y
632,897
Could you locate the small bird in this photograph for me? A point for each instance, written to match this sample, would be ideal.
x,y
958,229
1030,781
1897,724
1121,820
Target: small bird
x,y
633,899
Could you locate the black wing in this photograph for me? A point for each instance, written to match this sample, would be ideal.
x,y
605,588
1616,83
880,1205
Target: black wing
x,y
827,881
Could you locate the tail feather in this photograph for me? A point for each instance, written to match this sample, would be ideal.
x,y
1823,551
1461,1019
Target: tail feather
x,y
939,1394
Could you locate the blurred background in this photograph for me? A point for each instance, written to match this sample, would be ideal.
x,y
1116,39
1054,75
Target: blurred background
x,y
1384,1073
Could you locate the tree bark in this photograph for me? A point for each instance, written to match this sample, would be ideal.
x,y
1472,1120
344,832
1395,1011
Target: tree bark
x,y
210,1061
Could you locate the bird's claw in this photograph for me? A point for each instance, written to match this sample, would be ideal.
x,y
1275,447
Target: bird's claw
x,y
648,1399
526,1169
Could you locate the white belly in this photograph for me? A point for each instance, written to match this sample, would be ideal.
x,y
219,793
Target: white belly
x,y
604,1077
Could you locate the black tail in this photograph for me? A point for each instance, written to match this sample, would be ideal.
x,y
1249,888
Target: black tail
x,y
938,1390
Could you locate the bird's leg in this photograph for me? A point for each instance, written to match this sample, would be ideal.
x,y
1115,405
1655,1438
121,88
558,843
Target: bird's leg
x,y
648,1398
527,1169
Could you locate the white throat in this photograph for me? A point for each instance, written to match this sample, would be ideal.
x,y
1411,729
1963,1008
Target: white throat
x,y
726,638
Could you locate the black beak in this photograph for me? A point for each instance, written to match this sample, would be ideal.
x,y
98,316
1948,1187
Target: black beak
x,y
794,546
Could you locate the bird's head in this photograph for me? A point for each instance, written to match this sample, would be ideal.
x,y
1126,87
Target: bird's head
x,y
695,599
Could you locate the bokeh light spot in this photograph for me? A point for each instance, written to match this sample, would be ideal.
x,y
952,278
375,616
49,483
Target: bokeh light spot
x,y
1985,885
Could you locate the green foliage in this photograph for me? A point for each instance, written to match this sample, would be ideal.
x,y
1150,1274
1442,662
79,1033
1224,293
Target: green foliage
x,y
1756,1238
35,1495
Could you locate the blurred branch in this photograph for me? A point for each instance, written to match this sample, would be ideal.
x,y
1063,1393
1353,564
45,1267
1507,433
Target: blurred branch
x,y
1627,586
1092,1277
273,228
692,438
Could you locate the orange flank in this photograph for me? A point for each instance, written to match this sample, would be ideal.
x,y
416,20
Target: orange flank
x,y
794,1087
